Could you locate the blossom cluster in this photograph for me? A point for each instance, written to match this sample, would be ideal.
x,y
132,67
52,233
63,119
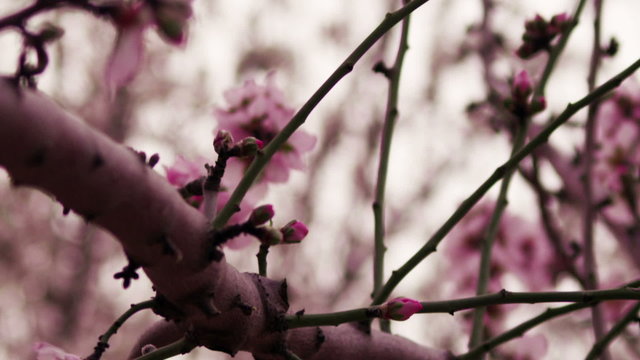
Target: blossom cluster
x,y
254,115
520,250
539,33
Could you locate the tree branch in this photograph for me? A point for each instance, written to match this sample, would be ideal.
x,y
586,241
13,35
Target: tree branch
x,y
44,147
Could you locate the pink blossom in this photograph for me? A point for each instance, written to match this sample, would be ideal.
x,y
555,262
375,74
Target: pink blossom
x,y
400,308
539,34
529,347
520,248
126,57
46,351
184,171
294,232
261,112
132,20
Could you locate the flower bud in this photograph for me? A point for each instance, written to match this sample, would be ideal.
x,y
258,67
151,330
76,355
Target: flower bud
x,y
400,308
558,23
249,146
171,18
270,236
521,87
294,232
261,215
223,142
538,104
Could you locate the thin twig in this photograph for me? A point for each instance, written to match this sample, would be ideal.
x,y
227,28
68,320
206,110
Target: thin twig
x,y
103,340
589,214
554,55
492,231
601,345
391,114
470,201
299,118
584,298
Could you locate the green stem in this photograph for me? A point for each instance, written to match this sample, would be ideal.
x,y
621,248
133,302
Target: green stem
x,y
557,50
103,340
299,118
179,347
585,298
469,202
490,237
601,345
519,330
390,117
335,318
262,259
589,214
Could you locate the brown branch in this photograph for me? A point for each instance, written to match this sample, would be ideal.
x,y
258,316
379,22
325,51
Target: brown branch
x,y
44,147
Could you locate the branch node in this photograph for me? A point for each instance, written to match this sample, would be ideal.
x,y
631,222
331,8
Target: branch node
x,y
246,309
128,273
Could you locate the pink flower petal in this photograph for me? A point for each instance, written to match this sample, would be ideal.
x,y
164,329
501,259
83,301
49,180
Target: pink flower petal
x,y
126,57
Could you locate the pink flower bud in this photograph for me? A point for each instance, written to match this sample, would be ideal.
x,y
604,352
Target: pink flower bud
x,y
558,23
521,87
294,232
171,18
261,215
249,146
400,308
538,104
223,141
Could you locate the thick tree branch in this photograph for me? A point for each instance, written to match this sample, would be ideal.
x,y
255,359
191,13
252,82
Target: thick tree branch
x,y
45,147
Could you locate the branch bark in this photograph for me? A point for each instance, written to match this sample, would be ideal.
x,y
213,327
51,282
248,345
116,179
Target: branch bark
x,y
43,146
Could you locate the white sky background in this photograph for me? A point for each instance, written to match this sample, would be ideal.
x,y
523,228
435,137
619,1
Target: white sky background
x,y
426,136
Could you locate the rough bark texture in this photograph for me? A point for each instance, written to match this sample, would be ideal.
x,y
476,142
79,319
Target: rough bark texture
x,y
45,147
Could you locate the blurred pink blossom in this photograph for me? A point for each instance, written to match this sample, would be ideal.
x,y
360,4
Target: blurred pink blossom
x,y
126,57
183,171
520,248
539,34
529,347
260,111
132,19
46,351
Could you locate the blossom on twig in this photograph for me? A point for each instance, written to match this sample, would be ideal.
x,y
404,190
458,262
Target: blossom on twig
x,y
400,308
260,111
